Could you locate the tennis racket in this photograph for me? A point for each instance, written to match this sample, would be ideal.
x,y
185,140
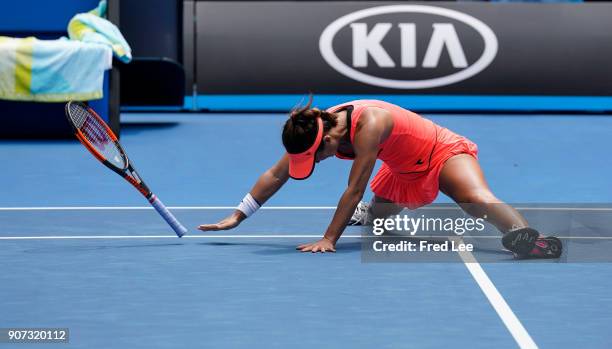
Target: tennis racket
x,y
98,138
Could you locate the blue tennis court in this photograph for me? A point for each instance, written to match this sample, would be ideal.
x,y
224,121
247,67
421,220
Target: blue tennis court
x,y
208,95
81,249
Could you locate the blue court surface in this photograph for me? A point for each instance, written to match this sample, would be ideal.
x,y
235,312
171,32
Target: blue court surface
x,y
81,249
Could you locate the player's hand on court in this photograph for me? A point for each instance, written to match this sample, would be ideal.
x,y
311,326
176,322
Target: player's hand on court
x,y
323,245
227,223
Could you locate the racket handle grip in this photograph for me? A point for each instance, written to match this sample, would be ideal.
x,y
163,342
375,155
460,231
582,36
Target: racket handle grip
x,y
179,229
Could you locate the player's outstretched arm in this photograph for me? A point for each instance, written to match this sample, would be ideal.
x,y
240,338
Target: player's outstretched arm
x,y
265,187
370,130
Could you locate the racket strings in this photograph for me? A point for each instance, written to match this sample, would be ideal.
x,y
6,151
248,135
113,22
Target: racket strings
x,y
94,132
78,115
97,135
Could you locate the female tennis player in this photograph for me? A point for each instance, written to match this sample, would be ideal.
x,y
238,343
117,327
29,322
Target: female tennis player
x,y
419,159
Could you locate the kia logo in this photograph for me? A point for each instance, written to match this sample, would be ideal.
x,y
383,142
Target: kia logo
x,y
367,46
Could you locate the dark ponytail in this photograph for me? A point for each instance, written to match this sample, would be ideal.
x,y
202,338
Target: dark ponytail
x,y
300,130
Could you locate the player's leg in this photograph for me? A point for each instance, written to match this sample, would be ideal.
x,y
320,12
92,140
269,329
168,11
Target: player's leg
x,y
462,179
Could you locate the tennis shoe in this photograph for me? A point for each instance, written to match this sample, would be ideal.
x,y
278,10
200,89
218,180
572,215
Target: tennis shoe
x,y
361,216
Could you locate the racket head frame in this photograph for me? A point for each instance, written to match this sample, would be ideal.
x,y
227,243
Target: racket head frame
x,y
128,172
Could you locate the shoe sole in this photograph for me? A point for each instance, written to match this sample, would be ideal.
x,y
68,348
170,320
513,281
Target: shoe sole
x,y
520,241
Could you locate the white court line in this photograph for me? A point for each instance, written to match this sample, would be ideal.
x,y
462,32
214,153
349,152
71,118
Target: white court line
x,y
102,208
127,237
244,236
94,208
513,324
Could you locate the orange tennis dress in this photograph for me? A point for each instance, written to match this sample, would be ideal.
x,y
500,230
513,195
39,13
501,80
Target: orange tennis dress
x,y
413,155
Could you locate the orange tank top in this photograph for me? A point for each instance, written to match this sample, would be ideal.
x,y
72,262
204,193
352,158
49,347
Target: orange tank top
x,y
412,141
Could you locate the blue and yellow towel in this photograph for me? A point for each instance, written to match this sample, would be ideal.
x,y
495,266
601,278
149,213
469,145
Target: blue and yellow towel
x,y
62,70
89,27
52,70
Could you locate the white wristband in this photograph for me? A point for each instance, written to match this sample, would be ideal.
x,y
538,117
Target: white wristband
x,y
248,205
